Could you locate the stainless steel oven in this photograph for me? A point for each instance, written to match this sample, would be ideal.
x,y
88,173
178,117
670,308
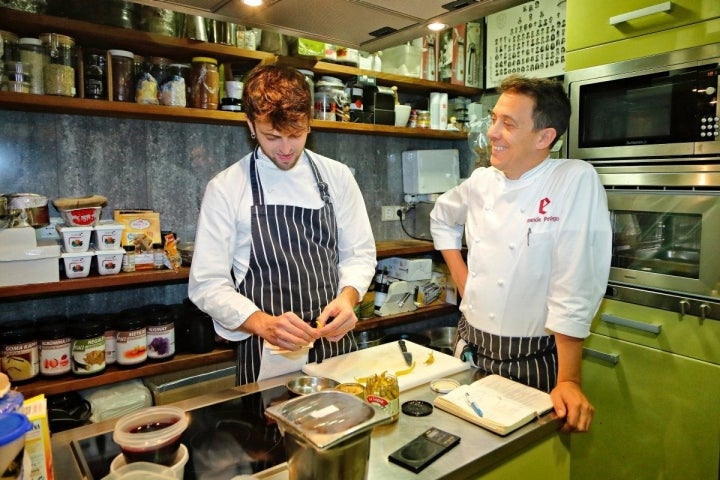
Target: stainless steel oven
x,y
666,235
660,108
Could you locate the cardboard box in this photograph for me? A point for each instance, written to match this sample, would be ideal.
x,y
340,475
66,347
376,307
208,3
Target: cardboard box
x,y
139,223
407,268
37,440
474,55
430,56
28,265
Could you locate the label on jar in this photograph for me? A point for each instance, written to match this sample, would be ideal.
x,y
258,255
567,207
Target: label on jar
x,y
55,356
131,346
161,341
110,347
20,361
88,355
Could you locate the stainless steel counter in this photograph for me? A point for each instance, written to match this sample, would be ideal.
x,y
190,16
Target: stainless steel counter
x,y
479,450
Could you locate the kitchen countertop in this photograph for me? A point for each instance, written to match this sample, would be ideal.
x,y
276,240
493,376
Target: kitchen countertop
x,y
478,451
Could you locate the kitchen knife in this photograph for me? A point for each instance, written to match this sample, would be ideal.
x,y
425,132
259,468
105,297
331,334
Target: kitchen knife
x,y
406,354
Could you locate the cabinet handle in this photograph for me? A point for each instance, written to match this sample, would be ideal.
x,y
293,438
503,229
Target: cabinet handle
x,y
684,306
704,311
611,358
626,322
642,12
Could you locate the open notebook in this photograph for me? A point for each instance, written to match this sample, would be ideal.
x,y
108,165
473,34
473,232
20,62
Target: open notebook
x,y
496,403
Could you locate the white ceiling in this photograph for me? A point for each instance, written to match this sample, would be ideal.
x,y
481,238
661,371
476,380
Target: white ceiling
x,y
347,23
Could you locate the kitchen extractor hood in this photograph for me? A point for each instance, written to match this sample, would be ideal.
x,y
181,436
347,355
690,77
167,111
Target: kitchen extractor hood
x,y
367,25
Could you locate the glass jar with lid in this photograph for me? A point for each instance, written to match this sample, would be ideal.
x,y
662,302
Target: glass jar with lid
x,y
204,83
33,54
8,47
173,91
94,80
59,72
121,66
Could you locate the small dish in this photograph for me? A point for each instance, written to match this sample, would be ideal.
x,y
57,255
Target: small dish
x,y
308,385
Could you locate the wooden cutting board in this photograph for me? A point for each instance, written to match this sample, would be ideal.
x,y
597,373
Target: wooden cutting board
x,y
387,358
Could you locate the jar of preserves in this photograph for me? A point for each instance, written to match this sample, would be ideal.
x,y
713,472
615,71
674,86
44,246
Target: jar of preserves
x,y
33,54
160,324
88,345
55,346
19,353
121,66
204,83
130,338
94,81
59,71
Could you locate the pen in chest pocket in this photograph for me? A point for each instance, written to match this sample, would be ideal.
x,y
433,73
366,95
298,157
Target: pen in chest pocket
x,y
528,236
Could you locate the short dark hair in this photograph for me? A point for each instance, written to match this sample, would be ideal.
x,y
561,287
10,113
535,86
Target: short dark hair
x,y
552,106
278,94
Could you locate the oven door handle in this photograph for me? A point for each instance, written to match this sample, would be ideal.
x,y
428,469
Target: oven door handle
x,y
626,322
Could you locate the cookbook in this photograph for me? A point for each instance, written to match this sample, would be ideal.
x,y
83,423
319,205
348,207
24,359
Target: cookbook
x,y
496,403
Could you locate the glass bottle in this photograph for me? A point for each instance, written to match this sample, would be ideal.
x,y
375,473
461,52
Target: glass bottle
x,y
128,262
95,77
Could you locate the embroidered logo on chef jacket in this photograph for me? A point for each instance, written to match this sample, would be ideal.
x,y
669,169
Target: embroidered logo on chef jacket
x,y
543,203
543,216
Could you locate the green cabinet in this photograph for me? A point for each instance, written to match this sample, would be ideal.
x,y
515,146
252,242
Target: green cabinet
x,y
614,30
657,412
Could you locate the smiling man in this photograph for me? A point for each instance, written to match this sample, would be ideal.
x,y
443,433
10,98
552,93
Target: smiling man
x,y
538,240
284,247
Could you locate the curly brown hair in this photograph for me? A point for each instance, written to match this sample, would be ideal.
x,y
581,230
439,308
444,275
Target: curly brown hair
x,y
279,95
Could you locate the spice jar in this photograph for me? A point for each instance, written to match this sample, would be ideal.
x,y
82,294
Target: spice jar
x,y
33,54
423,119
204,83
121,65
130,338
128,261
94,76
88,345
8,47
59,72
160,323
55,346
19,354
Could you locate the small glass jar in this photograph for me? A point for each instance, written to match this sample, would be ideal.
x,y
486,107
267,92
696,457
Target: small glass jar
x,y
160,323
131,338
158,256
59,72
204,83
423,118
8,47
55,344
33,54
121,66
94,81
173,92
160,68
382,391
128,261
19,353
88,345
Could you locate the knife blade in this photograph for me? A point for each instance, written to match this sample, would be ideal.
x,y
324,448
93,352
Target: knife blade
x,y
407,355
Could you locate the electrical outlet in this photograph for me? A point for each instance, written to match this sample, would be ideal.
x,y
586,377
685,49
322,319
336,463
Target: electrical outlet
x,y
389,213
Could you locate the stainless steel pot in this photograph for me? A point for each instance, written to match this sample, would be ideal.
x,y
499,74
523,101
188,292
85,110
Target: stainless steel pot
x,y
27,209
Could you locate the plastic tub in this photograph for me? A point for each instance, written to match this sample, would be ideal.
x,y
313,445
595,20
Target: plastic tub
x,y
13,427
109,262
151,434
77,264
75,239
107,235
176,470
81,217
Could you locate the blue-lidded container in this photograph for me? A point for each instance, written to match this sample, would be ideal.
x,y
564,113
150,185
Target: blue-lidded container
x,y
13,427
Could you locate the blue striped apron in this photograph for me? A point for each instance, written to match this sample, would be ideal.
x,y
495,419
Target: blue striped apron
x,y
529,360
293,267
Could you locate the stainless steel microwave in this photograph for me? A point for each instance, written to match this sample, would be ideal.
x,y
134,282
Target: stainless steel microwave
x,y
648,109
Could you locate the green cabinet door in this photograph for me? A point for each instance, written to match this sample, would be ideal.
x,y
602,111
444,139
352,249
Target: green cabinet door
x,y
657,415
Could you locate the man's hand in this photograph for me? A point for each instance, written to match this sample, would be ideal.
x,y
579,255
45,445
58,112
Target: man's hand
x,y
338,317
286,331
571,404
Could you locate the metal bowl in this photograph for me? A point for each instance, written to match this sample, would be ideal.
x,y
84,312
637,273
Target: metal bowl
x,y
308,385
442,339
186,250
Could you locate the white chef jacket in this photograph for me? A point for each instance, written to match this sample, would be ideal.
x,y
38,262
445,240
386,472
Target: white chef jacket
x,y
223,236
538,247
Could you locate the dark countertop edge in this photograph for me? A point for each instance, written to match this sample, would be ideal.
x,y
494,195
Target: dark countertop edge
x,y
65,463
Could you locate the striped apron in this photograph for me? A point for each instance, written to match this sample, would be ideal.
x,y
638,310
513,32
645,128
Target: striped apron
x,y
529,360
293,268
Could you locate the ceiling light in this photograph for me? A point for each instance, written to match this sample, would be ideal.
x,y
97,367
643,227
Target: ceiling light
x,y
253,3
436,26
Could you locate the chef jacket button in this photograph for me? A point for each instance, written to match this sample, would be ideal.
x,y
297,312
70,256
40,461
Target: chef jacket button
x,y
512,246
491,316
473,273
501,282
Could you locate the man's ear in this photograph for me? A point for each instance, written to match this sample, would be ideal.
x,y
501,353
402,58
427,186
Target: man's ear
x,y
547,135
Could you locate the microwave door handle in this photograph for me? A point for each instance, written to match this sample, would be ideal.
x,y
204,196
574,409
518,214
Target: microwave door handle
x,y
642,12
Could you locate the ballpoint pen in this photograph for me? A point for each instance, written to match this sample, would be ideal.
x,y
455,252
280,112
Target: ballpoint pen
x,y
473,405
